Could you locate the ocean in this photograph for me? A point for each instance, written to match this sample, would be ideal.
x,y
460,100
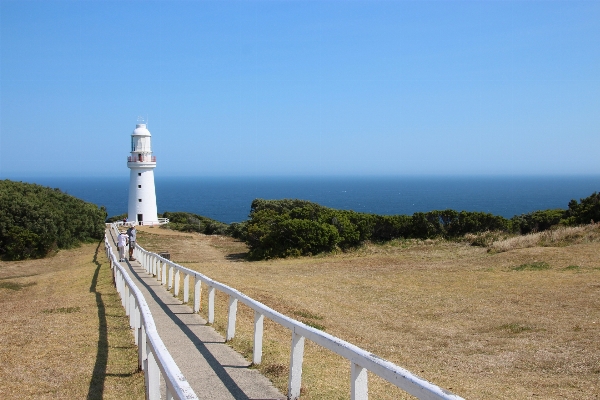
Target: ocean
x,y
229,199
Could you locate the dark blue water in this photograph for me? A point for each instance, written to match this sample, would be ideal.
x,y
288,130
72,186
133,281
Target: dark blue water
x,y
228,199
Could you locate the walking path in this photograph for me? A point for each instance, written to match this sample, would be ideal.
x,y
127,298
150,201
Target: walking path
x,y
212,368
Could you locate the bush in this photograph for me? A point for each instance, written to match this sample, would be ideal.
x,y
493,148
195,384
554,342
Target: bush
x,y
536,221
238,230
116,218
584,212
276,227
188,222
35,220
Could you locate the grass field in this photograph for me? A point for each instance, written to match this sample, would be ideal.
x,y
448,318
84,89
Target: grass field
x,y
63,331
517,323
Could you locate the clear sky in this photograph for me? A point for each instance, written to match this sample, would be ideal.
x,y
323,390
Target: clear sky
x,y
301,88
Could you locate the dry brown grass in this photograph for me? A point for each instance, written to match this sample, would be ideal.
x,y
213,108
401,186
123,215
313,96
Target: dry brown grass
x,y
561,236
483,325
63,332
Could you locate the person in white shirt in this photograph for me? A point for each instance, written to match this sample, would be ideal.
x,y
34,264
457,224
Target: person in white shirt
x,y
121,242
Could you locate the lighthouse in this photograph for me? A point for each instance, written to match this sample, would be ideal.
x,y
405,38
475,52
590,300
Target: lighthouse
x,y
141,162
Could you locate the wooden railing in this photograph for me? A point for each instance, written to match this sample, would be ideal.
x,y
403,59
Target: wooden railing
x,y
361,361
153,357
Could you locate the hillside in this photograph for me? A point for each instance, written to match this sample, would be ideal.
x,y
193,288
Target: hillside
x,y
519,322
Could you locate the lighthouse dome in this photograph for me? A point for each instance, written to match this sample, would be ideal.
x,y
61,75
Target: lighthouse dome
x,y
141,130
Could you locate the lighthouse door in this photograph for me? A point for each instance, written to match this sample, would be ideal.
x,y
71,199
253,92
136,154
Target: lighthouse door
x,y
140,219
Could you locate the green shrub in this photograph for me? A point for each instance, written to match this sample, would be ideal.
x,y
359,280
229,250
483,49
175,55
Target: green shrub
x,y
238,230
536,221
188,222
534,266
116,218
583,212
279,228
35,220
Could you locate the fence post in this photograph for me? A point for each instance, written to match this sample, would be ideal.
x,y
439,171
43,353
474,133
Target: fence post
x,y
136,331
125,296
258,337
142,346
158,273
164,273
118,279
197,294
231,317
176,290
359,389
211,304
152,378
131,309
296,358
168,394
186,288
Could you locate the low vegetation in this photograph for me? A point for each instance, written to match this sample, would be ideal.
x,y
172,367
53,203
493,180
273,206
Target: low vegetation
x,y
282,228
188,222
557,236
37,220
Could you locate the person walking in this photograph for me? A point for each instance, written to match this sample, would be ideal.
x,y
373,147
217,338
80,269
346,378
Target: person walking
x,y
131,232
121,243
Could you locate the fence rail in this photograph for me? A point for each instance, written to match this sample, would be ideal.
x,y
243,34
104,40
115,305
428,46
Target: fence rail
x,y
161,221
153,357
361,361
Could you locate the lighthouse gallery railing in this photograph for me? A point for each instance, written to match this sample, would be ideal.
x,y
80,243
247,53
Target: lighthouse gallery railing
x,y
153,357
361,361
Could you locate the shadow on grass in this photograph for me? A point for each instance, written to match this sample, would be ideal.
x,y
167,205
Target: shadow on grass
x,y
96,389
236,256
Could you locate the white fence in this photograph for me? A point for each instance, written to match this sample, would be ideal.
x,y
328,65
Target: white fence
x,y
161,221
361,361
153,357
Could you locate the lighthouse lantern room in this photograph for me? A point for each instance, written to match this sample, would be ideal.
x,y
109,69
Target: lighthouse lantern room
x,y
142,194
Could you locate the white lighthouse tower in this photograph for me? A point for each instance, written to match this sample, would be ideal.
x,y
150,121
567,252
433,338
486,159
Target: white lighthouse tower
x,y
142,195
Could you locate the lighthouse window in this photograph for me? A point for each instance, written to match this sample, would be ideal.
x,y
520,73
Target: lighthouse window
x,y
140,200
139,174
139,186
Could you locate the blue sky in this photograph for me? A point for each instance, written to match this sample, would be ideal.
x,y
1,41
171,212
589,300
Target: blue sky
x,y
301,88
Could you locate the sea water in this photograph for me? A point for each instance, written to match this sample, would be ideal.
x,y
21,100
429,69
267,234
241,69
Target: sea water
x,y
228,199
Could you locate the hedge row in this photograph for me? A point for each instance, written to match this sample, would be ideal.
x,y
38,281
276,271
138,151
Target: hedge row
x,y
281,228
34,220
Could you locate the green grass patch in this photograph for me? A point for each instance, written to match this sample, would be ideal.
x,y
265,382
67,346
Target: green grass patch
x,y
534,266
573,267
314,325
515,327
307,314
15,285
62,310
